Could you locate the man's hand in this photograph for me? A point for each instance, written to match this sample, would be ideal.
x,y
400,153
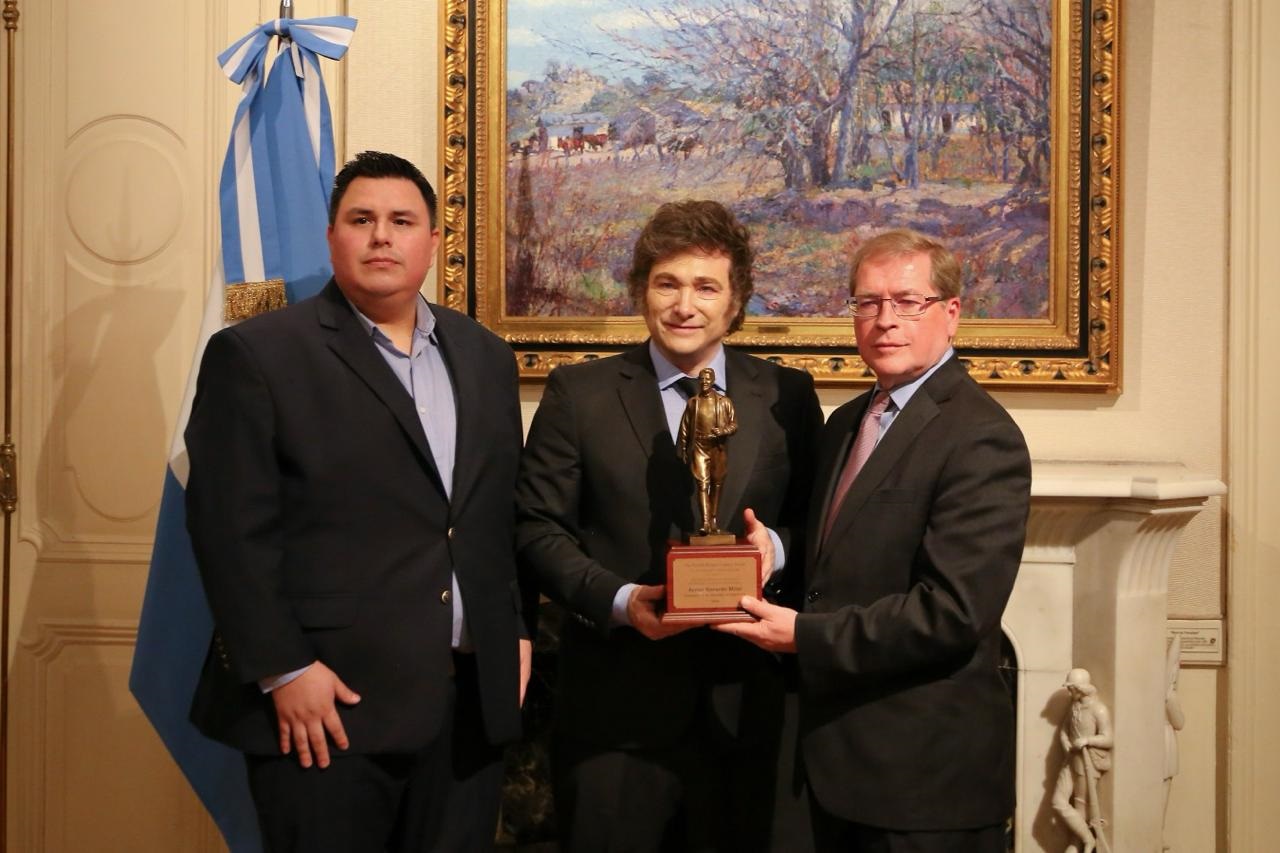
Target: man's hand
x,y
775,630
758,535
305,710
526,666
642,613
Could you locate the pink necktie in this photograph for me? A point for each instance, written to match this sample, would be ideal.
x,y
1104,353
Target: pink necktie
x,y
868,432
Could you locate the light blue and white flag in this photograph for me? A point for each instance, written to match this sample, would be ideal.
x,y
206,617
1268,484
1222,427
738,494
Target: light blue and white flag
x,y
274,192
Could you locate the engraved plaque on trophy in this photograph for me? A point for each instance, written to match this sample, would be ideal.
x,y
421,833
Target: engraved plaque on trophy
x,y
708,575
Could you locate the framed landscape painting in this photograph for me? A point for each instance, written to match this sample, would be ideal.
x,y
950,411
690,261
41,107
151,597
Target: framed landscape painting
x,y
990,124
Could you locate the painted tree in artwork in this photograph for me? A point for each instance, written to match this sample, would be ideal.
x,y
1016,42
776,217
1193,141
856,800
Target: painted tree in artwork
x,y
789,69
809,82
864,28
912,75
1016,101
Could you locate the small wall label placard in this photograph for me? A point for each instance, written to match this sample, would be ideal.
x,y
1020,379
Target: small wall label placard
x,y
1203,640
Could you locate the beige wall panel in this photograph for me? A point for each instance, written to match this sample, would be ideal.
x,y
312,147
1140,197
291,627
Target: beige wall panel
x,y
132,262
108,447
104,782
117,121
1194,820
393,79
1252,753
1197,581
120,66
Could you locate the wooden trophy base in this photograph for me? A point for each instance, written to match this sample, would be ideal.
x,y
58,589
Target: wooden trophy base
x,y
706,582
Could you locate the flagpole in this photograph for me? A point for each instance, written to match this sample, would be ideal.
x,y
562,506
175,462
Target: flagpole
x,y
8,453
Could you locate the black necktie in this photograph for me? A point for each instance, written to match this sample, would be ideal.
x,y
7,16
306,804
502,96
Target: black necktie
x,y
688,386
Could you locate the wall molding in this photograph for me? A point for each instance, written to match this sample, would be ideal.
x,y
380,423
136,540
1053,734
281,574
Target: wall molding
x,y
36,658
1253,421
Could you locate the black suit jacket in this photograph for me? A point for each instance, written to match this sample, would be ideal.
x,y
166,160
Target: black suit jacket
x,y
322,530
601,494
905,723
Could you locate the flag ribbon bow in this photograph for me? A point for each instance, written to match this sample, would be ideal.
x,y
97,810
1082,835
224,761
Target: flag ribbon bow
x,y
256,245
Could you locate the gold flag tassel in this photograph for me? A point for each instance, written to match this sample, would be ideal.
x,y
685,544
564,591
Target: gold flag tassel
x,y
251,298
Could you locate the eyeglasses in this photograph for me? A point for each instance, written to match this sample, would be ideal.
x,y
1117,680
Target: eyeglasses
x,y
908,305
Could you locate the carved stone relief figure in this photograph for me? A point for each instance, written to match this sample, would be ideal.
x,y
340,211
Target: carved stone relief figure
x,y
1173,720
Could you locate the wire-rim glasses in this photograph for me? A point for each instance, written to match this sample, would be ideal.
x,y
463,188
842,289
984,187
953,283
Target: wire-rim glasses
x,y
906,305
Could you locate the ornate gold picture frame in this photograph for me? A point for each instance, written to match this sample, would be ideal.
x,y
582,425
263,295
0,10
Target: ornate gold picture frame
x,y
1042,307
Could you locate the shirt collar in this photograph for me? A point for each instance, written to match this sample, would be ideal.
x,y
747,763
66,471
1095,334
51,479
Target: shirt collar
x,y
424,325
903,393
668,373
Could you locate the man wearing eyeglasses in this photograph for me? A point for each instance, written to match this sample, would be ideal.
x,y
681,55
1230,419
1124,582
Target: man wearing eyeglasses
x,y
916,526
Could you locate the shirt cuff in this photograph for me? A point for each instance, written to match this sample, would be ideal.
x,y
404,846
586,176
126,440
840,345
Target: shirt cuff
x,y
266,685
779,555
620,600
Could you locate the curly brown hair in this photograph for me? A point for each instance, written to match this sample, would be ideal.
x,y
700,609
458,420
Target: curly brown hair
x,y
693,225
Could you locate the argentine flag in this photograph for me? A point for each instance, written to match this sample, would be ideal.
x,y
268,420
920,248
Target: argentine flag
x,y
274,194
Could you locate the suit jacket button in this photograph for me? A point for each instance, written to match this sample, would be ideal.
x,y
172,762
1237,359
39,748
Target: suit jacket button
x,y
813,595
449,533
446,596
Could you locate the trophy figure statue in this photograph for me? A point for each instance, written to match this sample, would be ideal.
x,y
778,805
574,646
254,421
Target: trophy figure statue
x,y
709,573
705,428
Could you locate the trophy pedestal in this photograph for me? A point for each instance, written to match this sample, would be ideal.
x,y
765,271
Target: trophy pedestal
x,y
712,539
705,582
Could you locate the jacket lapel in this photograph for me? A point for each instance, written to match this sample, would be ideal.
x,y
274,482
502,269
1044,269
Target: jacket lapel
x,y
462,358
638,394
745,390
670,485
900,438
837,439
352,344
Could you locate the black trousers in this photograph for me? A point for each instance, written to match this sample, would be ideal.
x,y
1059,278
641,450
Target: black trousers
x,y
444,797
703,793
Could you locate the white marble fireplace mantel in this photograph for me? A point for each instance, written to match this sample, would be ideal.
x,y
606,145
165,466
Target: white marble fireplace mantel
x,y
1092,593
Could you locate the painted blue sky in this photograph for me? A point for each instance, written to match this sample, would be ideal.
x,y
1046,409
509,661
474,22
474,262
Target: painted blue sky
x,y
570,31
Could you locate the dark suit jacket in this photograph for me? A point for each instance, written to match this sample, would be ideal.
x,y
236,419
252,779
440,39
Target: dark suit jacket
x,y
322,530
905,723
602,492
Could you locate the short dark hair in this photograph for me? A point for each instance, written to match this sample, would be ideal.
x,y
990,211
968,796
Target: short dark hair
x,y
376,164
944,270
681,226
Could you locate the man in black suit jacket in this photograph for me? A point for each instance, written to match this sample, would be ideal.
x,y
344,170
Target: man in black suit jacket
x,y
907,734
353,460
666,738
